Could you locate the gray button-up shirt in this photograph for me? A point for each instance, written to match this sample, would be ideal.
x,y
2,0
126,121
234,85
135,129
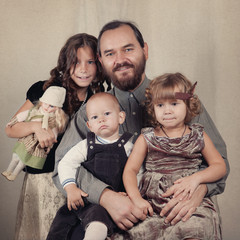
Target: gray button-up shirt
x,y
133,105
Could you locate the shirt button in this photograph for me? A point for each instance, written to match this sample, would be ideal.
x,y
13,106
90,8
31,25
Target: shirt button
x,y
131,95
134,113
91,142
119,144
122,141
91,147
136,133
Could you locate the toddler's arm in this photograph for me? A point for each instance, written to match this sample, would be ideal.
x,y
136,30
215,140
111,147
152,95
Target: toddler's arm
x,y
216,170
131,170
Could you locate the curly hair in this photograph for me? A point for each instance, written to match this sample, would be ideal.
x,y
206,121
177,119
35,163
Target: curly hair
x,y
61,76
162,87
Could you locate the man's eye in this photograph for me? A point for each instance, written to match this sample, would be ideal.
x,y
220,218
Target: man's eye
x,y
128,49
109,54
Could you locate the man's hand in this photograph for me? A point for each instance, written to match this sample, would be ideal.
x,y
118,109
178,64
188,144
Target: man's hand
x,y
74,196
123,212
182,209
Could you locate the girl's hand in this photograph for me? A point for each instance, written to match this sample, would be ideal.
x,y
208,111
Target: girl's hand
x,y
74,196
45,137
144,205
185,186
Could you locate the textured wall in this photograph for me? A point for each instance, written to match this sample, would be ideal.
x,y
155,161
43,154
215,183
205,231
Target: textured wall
x,y
198,38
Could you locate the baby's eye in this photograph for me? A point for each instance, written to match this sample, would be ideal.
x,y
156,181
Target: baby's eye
x,y
51,106
94,117
107,113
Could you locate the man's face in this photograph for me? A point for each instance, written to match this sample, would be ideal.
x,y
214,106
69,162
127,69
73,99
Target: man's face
x,y
122,57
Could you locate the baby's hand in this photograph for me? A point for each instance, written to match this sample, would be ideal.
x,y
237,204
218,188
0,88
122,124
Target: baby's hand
x,y
144,205
74,196
186,186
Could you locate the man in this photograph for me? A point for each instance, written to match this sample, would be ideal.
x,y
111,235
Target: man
x,y
123,55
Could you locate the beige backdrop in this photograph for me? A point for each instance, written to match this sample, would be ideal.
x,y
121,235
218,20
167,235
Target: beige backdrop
x,y
199,38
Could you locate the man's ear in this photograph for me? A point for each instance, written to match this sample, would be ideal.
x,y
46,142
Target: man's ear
x,y
122,116
99,58
145,50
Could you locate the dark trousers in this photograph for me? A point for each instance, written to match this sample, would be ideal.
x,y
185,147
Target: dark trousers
x,y
70,225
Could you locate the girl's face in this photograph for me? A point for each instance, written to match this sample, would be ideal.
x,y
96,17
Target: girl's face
x,y
48,108
86,69
170,113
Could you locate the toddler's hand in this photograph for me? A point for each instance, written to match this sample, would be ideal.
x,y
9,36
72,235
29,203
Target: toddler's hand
x,y
144,205
185,186
74,196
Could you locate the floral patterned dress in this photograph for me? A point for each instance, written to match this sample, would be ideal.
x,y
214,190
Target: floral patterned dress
x,y
169,159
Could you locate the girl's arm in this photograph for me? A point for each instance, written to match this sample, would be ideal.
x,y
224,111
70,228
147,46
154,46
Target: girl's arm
x,y
216,170
46,138
131,170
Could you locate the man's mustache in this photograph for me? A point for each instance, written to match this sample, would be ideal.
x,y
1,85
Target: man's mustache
x,y
124,64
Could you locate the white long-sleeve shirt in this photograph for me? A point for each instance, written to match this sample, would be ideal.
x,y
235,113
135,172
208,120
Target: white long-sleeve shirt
x,y
68,166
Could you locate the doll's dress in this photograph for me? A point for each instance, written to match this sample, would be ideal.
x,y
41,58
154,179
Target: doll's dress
x,y
28,148
169,159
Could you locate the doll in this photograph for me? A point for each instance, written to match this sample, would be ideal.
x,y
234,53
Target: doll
x,y
27,151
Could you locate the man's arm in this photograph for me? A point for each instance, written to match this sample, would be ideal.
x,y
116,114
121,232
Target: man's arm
x,y
210,128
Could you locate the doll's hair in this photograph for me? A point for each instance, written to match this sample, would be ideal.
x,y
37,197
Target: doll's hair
x,y
61,120
61,117
60,75
163,87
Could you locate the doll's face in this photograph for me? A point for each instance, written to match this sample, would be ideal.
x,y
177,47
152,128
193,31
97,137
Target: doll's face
x,y
48,108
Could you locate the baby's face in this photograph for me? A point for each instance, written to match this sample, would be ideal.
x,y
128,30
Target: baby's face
x,y
48,108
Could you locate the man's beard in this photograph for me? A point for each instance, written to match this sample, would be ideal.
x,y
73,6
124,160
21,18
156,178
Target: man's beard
x,y
128,83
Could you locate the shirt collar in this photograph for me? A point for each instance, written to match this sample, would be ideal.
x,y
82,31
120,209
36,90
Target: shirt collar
x,y
137,93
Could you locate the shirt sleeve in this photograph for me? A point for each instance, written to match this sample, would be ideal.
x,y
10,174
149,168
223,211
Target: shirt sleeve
x,y
72,160
210,128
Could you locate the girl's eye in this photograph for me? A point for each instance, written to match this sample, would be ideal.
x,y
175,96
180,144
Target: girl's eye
x,y
174,103
51,106
160,105
91,62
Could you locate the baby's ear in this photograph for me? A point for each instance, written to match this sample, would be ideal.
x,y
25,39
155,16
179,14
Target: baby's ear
x,y
88,125
122,116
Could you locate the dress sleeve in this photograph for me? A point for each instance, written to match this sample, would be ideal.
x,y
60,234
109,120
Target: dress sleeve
x,y
35,91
